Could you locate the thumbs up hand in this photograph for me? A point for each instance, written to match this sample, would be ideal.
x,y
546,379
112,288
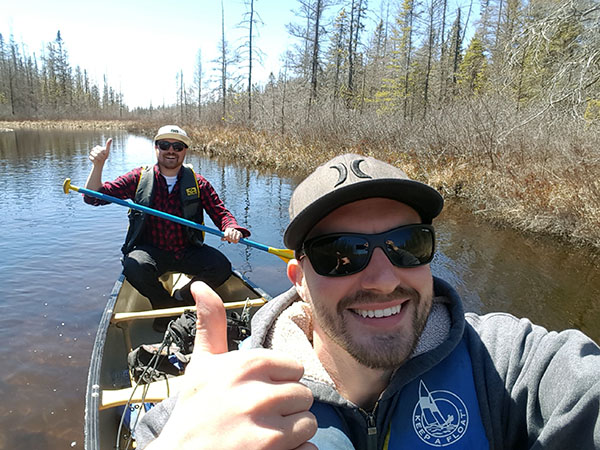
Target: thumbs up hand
x,y
250,399
99,154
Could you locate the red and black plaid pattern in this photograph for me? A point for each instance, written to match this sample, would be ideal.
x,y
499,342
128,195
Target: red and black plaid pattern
x,y
162,233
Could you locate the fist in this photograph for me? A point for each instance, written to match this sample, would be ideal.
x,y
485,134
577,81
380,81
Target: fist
x,y
232,235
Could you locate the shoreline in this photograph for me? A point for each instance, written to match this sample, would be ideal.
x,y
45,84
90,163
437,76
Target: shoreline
x,y
473,187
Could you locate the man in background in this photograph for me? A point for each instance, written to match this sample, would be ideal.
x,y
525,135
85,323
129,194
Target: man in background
x,y
154,245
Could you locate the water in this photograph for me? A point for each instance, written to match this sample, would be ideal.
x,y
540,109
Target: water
x,y
60,258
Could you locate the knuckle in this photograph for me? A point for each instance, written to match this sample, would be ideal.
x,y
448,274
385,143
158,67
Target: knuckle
x,y
273,438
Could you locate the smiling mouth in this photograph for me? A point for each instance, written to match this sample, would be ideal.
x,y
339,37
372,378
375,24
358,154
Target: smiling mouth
x,y
377,313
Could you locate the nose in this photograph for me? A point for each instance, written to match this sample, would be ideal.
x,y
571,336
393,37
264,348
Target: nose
x,y
380,274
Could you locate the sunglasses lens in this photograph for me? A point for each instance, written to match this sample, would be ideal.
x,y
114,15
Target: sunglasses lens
x,y
409,246
163,145
338,255
178,146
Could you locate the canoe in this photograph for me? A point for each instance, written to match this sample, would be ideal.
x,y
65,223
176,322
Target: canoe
x,y
126,323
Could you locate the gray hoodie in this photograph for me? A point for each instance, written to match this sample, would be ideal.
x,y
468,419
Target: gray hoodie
x,y
536,389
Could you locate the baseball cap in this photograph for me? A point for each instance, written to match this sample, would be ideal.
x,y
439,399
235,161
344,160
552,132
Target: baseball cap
x,y
346,179
173,132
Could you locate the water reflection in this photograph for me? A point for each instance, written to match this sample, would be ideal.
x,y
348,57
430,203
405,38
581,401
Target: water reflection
x,y
501,270
60,259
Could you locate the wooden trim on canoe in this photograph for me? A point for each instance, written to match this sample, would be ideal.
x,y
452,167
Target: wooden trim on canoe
x,y
153,392
168,312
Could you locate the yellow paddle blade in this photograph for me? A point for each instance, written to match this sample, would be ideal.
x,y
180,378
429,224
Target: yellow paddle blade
x,y
284,253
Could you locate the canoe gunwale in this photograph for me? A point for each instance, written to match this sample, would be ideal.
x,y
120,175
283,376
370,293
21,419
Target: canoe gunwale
x,y
92,393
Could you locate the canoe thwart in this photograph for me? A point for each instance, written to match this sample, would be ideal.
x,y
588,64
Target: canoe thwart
x,y
168,312
153,392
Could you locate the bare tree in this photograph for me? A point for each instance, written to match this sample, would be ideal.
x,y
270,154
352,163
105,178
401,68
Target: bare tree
x,y
455,47
430,50
357,14
443,58
315,54
223,62
226,58
407,46
310,51
198,79
338,55
251,21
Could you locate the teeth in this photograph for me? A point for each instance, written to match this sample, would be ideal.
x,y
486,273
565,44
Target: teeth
x,y
378,312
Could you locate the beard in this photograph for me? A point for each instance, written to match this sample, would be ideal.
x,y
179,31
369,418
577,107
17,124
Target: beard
x,y
378,350
170,163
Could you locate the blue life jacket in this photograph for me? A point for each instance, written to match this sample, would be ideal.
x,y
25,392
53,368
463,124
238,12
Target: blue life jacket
x,y
438,409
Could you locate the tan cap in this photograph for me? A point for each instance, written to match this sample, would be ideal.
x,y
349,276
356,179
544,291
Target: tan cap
x,y
173,132
348,178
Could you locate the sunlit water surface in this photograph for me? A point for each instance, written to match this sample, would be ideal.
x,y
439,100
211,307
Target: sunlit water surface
x,y
60,257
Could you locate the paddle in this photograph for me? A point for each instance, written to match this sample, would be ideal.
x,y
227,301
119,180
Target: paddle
x,y
283,253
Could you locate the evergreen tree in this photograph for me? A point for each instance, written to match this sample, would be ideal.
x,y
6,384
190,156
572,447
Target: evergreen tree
x,y
394,94
472,72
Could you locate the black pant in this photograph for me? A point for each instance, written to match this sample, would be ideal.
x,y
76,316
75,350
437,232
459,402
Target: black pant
x,y
145,264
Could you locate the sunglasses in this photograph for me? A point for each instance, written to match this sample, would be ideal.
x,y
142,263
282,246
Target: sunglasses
x,y
165,145
341,254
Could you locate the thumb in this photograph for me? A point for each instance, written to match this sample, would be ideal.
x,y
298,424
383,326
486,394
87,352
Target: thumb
x,y
108,145
211,320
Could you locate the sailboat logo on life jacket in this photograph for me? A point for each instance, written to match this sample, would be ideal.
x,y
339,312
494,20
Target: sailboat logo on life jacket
x,y
440,418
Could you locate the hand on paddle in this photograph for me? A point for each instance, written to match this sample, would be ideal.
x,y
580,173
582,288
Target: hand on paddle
x,y
232,235
249,399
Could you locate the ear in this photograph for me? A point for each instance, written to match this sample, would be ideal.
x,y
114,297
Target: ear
x,y
296,275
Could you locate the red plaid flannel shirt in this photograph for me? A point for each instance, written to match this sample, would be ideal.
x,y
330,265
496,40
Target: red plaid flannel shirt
x,y
162,233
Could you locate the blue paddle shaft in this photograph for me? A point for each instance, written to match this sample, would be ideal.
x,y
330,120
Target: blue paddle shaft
x,y
164,215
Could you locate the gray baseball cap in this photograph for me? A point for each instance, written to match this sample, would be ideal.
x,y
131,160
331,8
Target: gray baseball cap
x,y
346,179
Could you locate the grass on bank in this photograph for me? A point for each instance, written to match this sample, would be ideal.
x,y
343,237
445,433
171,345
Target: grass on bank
x,y
542,179
538,184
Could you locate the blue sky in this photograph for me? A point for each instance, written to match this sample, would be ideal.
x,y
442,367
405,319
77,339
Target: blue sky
x,y
142,44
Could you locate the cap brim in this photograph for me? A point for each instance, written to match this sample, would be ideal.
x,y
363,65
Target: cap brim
x,y
421,197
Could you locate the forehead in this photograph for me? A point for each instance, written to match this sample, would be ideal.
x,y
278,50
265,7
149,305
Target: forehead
x,y
372,215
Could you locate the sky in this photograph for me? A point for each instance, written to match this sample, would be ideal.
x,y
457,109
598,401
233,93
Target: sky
x,y
141,45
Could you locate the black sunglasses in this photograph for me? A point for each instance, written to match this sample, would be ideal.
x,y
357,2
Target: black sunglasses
x,y
165,145
340,254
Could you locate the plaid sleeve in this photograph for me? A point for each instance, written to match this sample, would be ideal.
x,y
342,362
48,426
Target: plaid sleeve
x,y
215,208
123,187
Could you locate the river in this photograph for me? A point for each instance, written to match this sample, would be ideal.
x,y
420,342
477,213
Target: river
x,y
60,258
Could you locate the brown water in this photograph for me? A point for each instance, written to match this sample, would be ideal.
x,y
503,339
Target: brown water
x,y
59,259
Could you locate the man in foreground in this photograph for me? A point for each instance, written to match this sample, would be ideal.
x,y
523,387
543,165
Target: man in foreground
x,y
153,245
389,356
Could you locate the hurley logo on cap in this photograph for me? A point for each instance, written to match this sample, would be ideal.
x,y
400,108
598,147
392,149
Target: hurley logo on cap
x,y
343,171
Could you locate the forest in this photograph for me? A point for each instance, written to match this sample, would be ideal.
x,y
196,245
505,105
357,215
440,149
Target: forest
x,y
496,103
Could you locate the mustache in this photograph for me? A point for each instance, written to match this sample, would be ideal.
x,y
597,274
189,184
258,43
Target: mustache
x,y
367,297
